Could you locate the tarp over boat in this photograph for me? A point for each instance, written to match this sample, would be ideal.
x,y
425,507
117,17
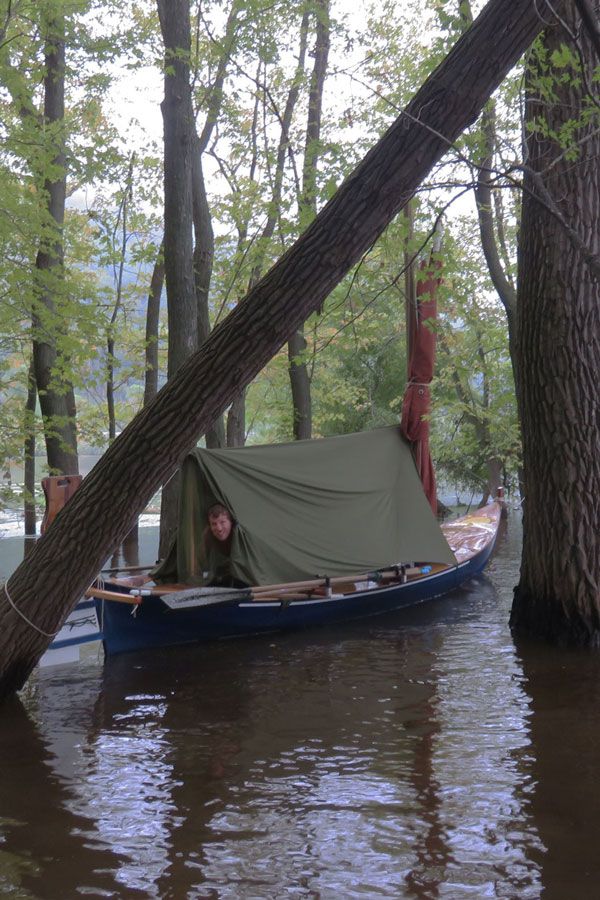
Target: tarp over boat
x,y
334,506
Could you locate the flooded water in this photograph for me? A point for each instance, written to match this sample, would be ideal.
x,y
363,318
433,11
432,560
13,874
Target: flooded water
x,y
420,755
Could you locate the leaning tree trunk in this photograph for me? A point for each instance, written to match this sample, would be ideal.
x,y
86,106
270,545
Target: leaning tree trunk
x,y
558,336
101,511
57,401
179,145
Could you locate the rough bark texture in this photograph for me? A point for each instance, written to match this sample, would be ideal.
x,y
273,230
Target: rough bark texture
x,y
300,386
56,396
558,341
99,515
236,421
179,146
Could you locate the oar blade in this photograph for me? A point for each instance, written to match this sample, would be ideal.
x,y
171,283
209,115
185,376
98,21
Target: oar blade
x,y
205,596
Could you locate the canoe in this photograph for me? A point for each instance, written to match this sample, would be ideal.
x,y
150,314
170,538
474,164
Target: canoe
x,y
134,617
350,508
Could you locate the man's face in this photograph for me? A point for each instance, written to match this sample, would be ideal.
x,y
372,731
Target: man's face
x,y
220,526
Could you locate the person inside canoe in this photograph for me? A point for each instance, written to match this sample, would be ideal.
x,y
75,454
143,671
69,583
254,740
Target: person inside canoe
x,y
217,540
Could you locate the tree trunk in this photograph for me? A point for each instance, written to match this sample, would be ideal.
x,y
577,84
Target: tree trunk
x,y
204,248
410,285
29,453
236,417
489,244
558,596
110,332
179,144
152,319
236,421
203,230
100,513
298,369
300,385
57,401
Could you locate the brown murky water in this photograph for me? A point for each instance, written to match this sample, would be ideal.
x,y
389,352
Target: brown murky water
x,y
418,755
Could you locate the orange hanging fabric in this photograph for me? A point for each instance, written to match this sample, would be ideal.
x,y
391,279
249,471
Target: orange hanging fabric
x,y
417,397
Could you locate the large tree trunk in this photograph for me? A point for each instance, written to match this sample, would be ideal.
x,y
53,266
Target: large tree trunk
x,y
100,513
558,596
57,401
179,145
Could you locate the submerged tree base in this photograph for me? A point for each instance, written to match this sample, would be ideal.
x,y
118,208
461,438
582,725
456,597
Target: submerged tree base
x,y
546,618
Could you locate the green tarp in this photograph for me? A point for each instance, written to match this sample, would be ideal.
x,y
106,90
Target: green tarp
x,y
336,506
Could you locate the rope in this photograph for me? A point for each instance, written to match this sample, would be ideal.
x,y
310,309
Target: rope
x,y
24,617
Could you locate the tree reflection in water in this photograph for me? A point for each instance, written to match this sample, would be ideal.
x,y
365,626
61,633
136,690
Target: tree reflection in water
x,y
562,771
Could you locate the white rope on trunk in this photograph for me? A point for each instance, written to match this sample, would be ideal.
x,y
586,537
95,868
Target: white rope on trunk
x,y
24,617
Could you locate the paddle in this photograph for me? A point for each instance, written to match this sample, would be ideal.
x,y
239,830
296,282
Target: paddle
x,y
197,597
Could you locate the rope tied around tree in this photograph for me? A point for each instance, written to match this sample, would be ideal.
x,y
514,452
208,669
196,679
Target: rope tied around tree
x,y
24,617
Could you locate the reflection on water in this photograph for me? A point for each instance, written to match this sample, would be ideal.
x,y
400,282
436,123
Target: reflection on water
x,y
418,755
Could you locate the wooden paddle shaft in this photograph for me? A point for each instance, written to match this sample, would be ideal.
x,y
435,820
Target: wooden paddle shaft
x,y
98,594
317,582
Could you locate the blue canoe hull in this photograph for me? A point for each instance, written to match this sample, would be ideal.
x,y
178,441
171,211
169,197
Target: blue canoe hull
x,y
154,624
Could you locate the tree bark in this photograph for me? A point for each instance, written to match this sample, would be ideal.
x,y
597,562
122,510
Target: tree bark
x,y
236,421
152,320
491,232
57,400
29,453
558,595
300,386
179,146
100,513
110,331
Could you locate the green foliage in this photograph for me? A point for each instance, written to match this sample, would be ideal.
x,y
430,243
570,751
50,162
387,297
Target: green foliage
x,y
356,346
475,422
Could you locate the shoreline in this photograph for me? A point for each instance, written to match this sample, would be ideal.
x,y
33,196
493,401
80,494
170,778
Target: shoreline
x,y
11,526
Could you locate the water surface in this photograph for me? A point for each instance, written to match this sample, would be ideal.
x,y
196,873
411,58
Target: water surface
x,y
417,755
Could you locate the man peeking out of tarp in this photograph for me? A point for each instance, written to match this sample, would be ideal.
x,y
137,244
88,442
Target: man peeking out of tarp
x,y
216,546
